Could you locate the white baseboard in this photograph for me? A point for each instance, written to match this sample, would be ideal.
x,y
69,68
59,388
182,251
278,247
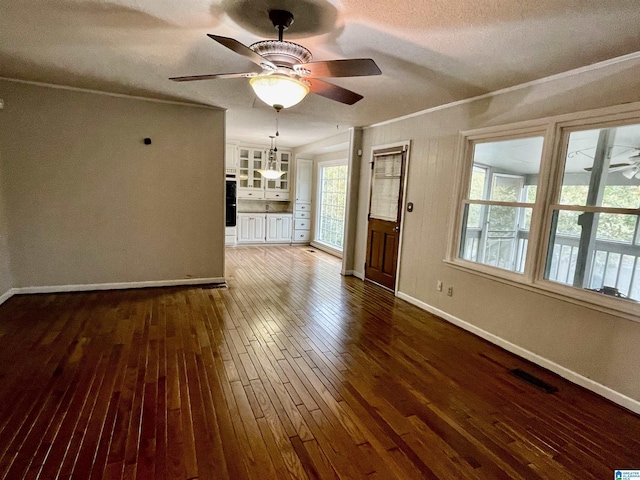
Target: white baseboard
x,y
117,286
355,274
7,295
602,390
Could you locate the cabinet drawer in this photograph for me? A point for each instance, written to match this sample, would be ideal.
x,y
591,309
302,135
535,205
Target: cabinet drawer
x,y
301,235
303,214
276,195
302,224
249,193
303,207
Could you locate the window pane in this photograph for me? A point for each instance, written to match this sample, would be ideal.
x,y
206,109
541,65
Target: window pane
x,y
507,188
510,165
501,243
602,168
385,187
478,181
332,205
595,251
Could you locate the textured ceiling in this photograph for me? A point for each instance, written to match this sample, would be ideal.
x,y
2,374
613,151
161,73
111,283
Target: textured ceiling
x,y
431,52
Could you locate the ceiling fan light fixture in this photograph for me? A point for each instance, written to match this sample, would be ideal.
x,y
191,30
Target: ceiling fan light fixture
x,y
279,90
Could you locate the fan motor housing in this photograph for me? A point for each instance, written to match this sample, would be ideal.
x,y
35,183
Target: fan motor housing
x,y
282,53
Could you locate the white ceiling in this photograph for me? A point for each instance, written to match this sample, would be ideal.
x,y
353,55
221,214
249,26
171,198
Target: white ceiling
x,y
431,52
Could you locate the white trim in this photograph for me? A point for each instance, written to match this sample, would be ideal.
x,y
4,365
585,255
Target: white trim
x,y
7,295
326,248
355,273
539,81
110,94
118,286
318,206
602,390
549,184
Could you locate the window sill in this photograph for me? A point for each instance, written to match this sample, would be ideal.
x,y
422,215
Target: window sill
x,y
326,248
627,309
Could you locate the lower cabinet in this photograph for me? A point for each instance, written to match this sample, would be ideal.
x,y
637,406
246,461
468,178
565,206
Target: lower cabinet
x,y
279,228
264,228
251,228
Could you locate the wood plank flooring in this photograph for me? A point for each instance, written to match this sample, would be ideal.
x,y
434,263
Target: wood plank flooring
x,y
291,372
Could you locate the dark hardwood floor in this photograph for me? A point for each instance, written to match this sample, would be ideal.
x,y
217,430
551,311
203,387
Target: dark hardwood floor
x,y
291,372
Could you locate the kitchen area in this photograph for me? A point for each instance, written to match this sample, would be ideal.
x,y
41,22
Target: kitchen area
x,y
269,196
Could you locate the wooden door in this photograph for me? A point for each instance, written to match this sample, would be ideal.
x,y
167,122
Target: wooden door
x,y
385,214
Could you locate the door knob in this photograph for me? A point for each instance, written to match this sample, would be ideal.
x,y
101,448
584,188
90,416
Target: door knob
x,y
397,228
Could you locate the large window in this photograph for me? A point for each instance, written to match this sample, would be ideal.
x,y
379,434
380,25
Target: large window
x,y
563,220
500,200
331,209
594,239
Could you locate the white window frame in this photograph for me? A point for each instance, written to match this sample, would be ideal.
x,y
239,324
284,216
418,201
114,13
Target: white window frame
x,y
555,131
317,243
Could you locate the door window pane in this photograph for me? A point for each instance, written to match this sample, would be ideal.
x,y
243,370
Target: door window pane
x,y
385,187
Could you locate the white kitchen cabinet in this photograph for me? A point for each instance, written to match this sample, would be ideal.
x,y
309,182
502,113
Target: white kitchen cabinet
x,y
278,188
304,180
264,227
250,182
231,160
302,204
279,228
251,228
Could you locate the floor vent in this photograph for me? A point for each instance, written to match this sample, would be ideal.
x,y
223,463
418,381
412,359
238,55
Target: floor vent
x,y
311,251
209,286
535,381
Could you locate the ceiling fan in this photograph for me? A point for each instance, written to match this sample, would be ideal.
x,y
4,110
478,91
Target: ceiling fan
x,y
628,170
288,73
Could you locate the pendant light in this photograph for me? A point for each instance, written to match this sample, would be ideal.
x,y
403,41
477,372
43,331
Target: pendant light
x,y
271,173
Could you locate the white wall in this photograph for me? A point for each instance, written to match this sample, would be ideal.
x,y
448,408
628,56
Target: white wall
x,y
88,203
597,347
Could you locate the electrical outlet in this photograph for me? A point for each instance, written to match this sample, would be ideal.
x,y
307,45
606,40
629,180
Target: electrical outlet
x,y
439,286
450,291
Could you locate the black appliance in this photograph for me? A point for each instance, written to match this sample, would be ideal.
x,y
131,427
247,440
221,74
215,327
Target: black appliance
x,y
231,203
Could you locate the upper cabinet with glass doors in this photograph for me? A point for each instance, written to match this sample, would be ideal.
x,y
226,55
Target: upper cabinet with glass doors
x,y
278,189
250,182
252,185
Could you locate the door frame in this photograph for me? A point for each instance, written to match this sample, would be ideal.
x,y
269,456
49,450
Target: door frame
x,y
406,144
